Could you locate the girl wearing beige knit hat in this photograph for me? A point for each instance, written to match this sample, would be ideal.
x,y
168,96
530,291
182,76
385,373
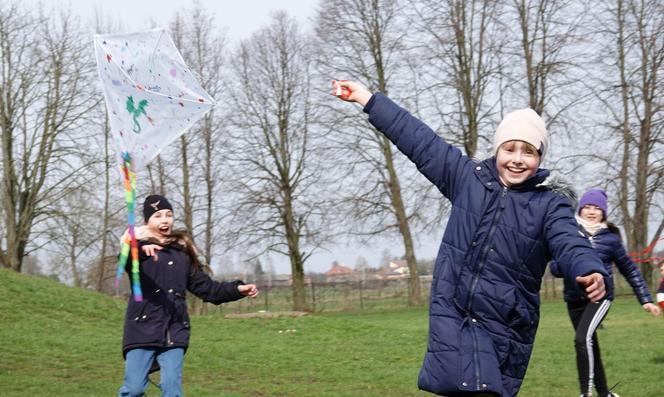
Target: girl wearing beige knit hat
x,y
520,142
503,228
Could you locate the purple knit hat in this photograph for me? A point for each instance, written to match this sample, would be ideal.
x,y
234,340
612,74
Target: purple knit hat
x,y
595,197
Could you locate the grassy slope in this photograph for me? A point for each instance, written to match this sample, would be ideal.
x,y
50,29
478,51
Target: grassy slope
x,y
60,341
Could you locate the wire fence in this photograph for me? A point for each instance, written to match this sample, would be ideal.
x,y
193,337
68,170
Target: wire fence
x,y
369,295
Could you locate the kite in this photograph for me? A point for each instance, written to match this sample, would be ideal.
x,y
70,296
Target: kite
x,y
151,98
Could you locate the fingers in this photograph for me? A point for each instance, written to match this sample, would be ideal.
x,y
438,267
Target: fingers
x,y
249,290
151,250
350,91
594,286
342,89
652,309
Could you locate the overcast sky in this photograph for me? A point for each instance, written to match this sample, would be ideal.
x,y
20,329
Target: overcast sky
x,y
239,18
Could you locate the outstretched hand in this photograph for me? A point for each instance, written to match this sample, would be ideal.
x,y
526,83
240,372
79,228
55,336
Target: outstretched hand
x,y
652,309
351,91
249,290
151,250
593,285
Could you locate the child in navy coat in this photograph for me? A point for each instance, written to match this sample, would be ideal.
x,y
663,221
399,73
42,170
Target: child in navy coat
x,y
504,226
157,329
586,316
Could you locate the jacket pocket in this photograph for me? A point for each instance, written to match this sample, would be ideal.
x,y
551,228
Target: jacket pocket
x,y
136,311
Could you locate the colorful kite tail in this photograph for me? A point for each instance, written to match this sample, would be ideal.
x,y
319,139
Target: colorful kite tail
x,y
122,262
130,245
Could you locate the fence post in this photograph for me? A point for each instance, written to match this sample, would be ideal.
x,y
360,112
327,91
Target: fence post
x,y
313,296
361,298
267,305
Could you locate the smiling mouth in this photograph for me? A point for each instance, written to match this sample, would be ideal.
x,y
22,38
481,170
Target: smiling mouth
x,y
164,229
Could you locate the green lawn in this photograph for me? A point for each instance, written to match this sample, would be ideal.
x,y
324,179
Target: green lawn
x,y
60,341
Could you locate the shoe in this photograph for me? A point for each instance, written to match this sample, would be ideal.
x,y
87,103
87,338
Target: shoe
x,y
611,394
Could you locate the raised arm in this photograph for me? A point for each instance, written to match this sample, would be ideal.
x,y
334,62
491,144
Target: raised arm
x,y
443,164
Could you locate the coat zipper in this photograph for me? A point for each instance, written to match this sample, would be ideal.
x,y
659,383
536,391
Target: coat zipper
x,y
471,293
476,358
485,249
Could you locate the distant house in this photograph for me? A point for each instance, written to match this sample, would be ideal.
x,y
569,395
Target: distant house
x,y
396,269
340,273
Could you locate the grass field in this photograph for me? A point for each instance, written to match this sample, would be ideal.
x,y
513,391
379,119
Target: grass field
x,y
61,341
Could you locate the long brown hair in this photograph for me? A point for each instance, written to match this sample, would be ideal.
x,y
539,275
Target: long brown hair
x,y
612,227
186,241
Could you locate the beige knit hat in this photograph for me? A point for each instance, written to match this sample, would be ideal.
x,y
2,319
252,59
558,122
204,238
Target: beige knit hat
x,y
522,125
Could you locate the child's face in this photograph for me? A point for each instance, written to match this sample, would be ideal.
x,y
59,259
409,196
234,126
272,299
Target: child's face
x,y
161,223
592,214
516,161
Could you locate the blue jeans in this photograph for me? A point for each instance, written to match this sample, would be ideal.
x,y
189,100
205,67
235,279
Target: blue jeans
x,y
138,364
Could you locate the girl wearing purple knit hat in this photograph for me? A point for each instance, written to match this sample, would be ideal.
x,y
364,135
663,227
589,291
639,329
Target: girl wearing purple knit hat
x,y
586,316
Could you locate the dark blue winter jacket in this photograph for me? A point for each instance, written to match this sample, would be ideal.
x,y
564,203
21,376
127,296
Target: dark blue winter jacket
x,y
484,306
610,249
161,319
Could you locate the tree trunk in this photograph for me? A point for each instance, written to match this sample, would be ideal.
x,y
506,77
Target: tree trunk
x,y
105,211
414,293
295,256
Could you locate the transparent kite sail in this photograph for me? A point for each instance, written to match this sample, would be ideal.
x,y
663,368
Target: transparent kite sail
x,y
151,95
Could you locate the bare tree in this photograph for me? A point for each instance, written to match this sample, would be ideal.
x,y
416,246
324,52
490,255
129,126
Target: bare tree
x,y
179,35
102,27
547,30
202,48
275,183
461,48
106,207
73,235
365,40
43,97
157,176
639,38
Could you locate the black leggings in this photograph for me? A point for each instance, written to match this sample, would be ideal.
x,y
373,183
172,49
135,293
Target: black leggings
x,y
586,317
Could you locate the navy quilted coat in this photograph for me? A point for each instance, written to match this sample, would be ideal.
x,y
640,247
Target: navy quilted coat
x,y
161,319
484,306
610,249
